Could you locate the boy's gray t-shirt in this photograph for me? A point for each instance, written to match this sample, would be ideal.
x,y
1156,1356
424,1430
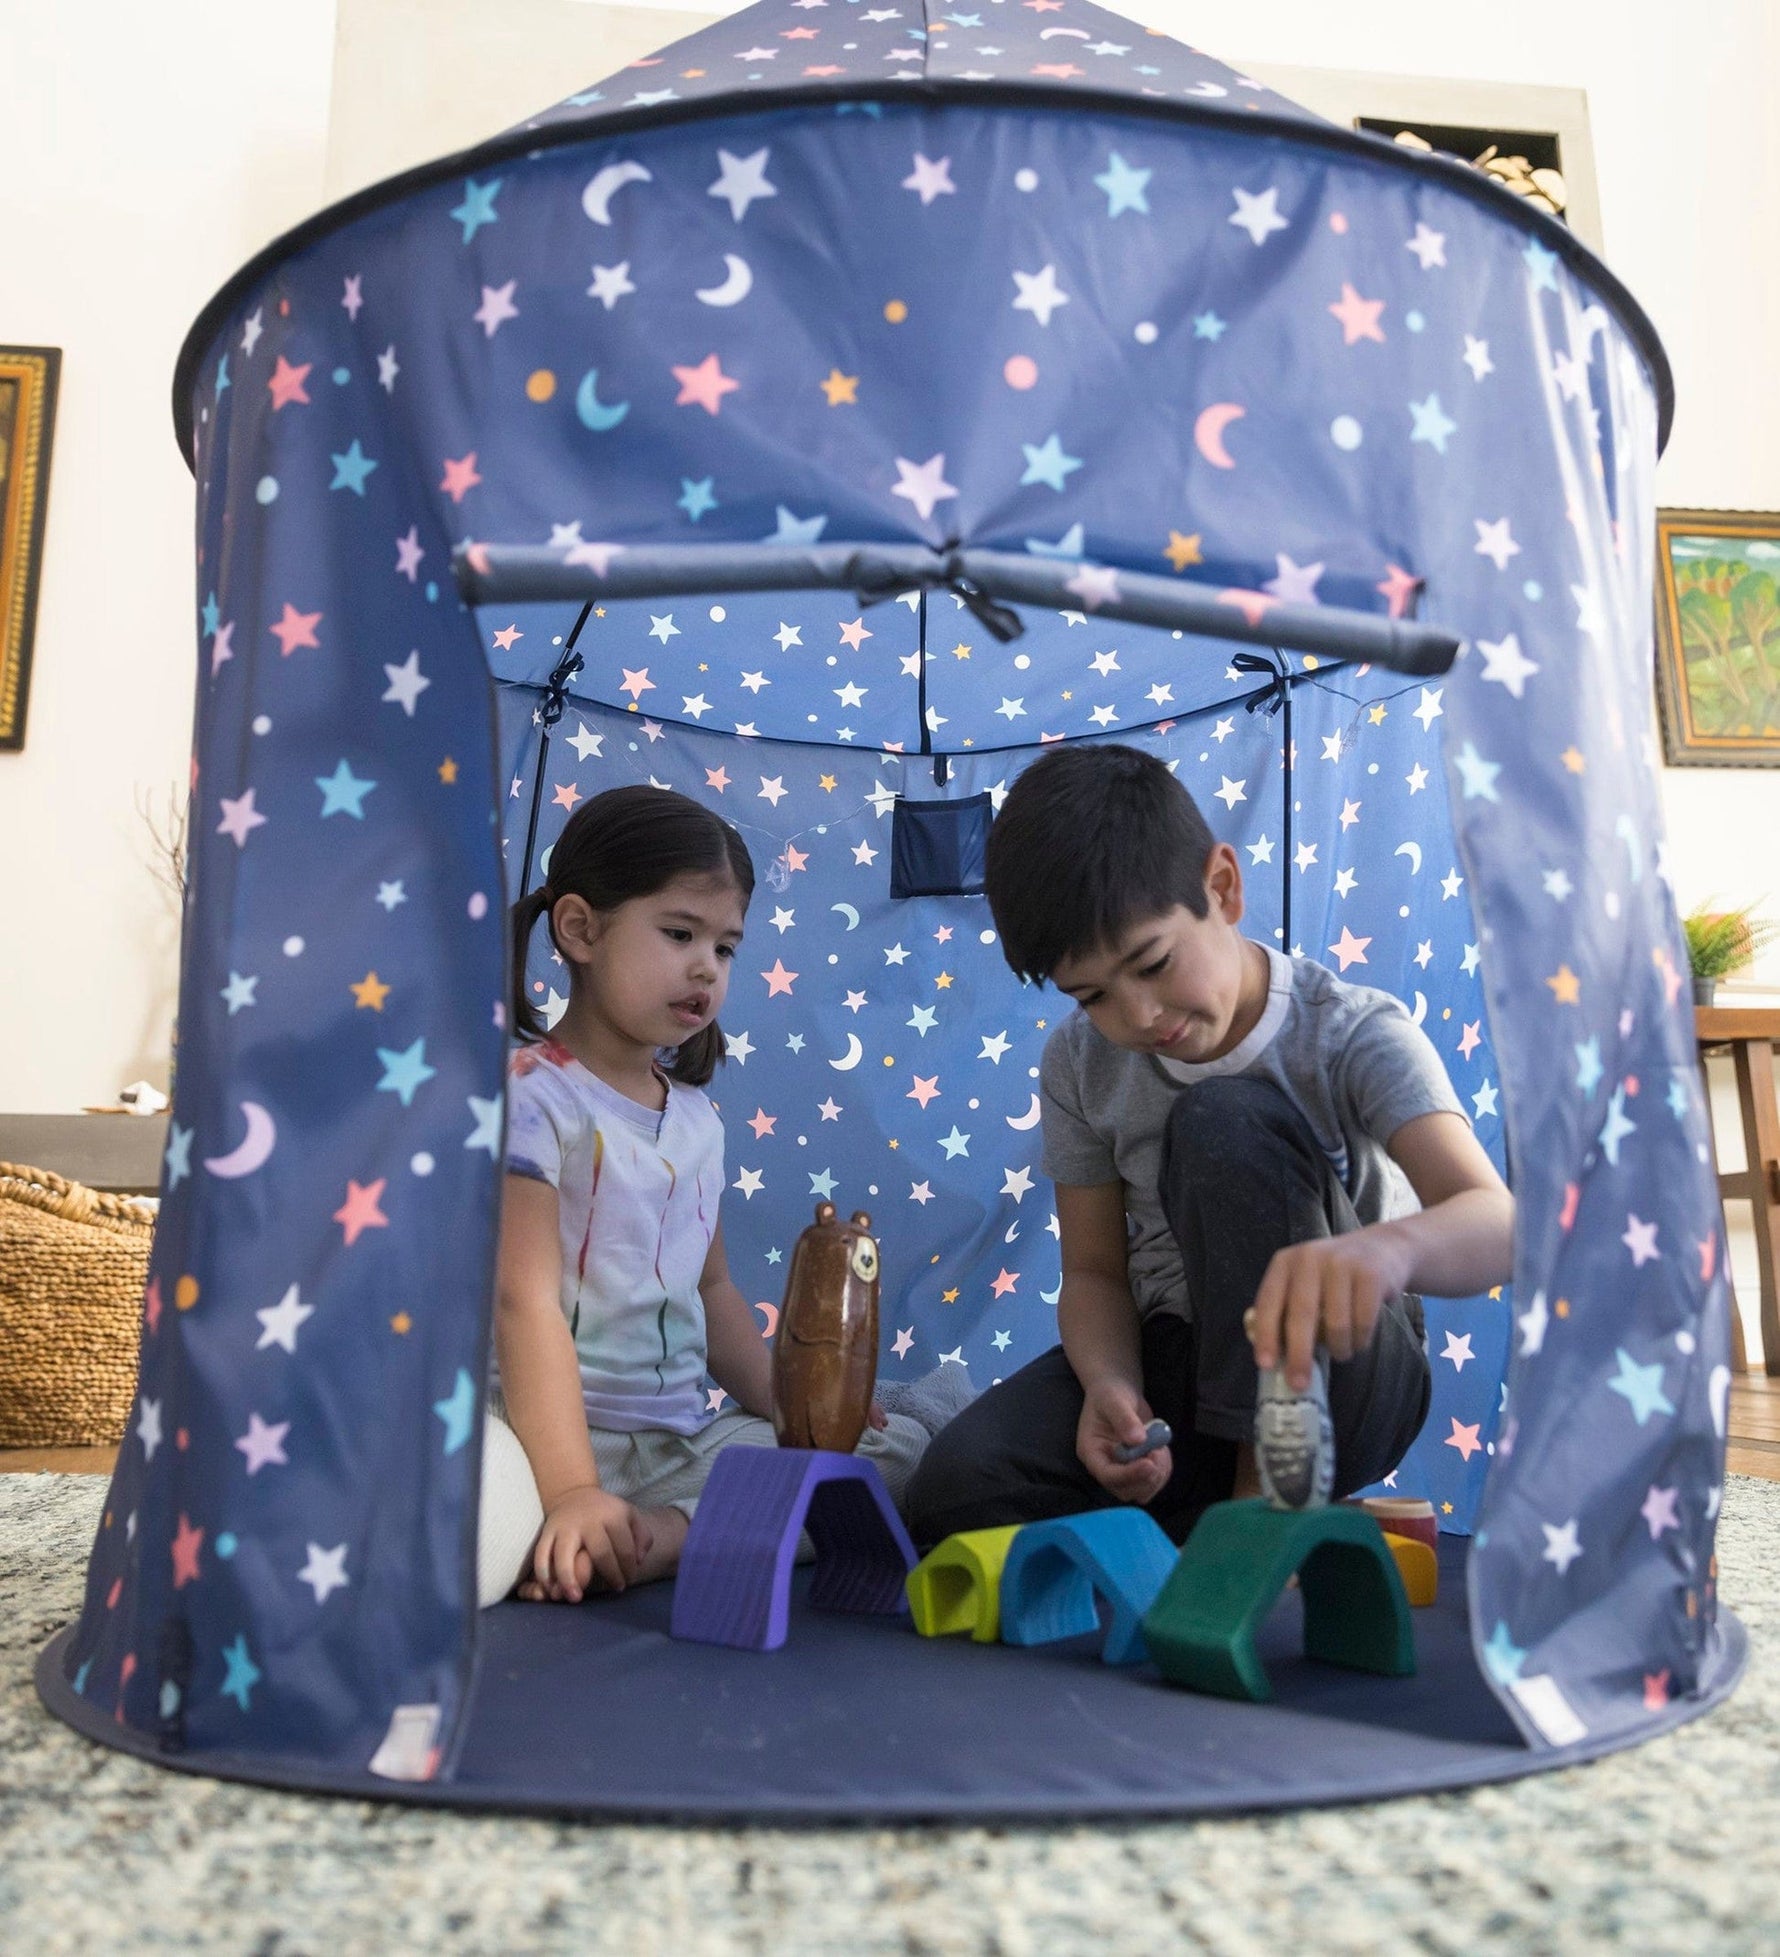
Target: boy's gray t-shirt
x,y
1349,1056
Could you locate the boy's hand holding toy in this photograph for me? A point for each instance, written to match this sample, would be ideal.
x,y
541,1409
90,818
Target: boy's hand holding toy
x,y
1326,1292
1116,1416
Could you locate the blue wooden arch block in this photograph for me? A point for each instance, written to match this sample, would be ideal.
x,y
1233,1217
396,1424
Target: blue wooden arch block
x,y
734,1583
1054,1570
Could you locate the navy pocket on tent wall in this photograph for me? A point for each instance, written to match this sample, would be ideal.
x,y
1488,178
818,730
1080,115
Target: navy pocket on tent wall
x,y
937,848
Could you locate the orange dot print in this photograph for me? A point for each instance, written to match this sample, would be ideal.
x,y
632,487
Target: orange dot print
x,y
539,386
896,312
185,1292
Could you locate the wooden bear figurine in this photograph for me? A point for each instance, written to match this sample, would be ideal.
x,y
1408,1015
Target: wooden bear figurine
x,y
825,1358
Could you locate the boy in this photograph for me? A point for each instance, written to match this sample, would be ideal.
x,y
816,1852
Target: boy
x,y
1256,1165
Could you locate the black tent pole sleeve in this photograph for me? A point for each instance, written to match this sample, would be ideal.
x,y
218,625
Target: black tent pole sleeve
x,y
555,698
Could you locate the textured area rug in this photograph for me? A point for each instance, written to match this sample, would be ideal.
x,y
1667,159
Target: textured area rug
x,y
1673,1846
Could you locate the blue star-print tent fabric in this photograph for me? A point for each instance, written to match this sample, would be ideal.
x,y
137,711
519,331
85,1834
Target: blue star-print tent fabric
x,y
1025,278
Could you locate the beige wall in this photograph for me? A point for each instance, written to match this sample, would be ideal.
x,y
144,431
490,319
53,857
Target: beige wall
x,y
146,150
160,146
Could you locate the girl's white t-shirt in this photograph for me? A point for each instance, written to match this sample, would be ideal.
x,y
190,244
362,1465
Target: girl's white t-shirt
x,y
638,1193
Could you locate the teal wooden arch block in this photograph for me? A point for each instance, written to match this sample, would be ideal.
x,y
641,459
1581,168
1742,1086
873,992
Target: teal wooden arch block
x,y
1201,1628
1054,1570
957,1586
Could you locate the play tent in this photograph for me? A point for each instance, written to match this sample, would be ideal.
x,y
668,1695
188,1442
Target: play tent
x,y
819,418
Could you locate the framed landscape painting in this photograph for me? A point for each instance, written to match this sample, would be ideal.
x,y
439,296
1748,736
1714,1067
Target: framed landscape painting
x,y
28,377
1718,637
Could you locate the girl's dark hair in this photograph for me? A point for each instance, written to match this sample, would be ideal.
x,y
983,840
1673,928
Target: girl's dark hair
x,y
1090,841
623,844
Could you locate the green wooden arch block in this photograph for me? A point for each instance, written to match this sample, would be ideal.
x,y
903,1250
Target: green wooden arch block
x,y
1201,1629
957,1586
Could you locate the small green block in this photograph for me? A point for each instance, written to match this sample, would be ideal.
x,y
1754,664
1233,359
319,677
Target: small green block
x,y
1201,1629
957,1587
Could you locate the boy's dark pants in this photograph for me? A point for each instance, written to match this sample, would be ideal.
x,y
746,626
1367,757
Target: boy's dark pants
x,y
1242,1177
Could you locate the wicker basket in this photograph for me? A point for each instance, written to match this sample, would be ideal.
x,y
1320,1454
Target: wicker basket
x,y
73,1264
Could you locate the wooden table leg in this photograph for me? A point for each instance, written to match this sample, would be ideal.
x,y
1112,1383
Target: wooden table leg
x,y
1761,1140
1739,1346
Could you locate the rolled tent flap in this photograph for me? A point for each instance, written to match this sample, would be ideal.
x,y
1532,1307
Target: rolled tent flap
x,y
490,574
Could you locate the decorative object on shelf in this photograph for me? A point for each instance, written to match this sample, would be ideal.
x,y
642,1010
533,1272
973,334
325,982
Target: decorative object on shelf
x,y
1722,942
1718,637
1537,178
73,1264
28,380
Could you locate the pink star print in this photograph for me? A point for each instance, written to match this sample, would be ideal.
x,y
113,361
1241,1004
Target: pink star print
x,y
1463,1438
460,476
703,386
778,979
295,629
923,1090
1397,589
186,1545
359,1212
1005,1280
1358,317
1253,605
286,383
1349,949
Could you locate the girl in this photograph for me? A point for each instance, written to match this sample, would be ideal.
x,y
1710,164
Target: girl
x,y
613,1295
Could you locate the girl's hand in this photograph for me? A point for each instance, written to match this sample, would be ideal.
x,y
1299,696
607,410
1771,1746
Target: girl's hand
x,y
590,1540
1326,1292
877,1417
1115,1414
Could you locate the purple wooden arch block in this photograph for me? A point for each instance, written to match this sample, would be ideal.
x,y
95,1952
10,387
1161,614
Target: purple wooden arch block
x,y
734,1585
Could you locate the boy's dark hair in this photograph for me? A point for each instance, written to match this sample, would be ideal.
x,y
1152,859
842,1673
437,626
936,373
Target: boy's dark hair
x,y
628,843
1090,841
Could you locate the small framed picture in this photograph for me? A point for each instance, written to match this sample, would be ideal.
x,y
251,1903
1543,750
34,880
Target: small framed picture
x,y
1718,637
28,377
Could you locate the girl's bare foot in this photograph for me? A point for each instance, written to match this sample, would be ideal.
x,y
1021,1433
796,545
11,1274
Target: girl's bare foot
x,y
668,1529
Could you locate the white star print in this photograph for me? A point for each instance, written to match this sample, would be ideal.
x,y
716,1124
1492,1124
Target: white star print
x,y
1039,294
325,1571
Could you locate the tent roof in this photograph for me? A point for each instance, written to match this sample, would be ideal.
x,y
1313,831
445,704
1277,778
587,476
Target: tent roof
x,y
1049,53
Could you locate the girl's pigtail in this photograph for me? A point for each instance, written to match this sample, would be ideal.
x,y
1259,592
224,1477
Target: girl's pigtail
x,y
695,1060
528,1023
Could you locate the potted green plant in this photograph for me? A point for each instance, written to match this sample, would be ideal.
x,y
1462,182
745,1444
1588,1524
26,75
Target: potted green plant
x,y
1722,942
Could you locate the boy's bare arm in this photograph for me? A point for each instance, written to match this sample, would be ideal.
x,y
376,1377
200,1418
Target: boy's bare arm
x,y
1096,1314
1097,1317
1463,1239
1330,1291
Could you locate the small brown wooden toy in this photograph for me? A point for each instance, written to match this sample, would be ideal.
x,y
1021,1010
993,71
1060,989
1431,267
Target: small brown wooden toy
x,y
825,1358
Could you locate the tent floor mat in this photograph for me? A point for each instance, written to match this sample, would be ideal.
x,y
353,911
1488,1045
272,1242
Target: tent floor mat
x,y
596,1711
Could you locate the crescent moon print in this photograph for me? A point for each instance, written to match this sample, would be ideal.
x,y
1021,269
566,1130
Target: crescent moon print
x,y
850,912
594,413
259,1141
855,1053
734,289
772,1318
596,199
1208,432
1029,1119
